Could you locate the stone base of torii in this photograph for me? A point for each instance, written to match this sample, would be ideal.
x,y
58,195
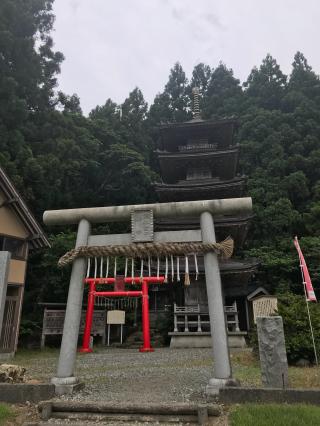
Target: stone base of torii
x,y
142,230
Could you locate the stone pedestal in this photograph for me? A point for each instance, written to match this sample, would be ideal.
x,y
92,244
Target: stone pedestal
x,y
195,339
66,385
272,350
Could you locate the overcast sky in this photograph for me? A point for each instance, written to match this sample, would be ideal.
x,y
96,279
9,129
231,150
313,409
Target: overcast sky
x,y
112,46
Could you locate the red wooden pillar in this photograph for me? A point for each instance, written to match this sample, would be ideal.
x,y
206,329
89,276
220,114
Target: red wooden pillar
x,y
145,319
89,317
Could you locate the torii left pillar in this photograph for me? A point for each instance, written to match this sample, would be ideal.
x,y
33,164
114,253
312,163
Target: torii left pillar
x,y
65,382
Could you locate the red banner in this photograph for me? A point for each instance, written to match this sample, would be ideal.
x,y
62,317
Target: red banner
x,y
311,297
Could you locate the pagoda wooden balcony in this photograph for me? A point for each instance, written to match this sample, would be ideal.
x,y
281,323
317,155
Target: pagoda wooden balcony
x,y
175,165
218,132
198,147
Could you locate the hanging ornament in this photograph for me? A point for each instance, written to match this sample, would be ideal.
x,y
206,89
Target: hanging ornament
x,y
166,271
158,267
95,267
172,269
126,268
107,267
196,265
149,266
178,268
132,268
101,267
88,268
141,271
186,276
115,267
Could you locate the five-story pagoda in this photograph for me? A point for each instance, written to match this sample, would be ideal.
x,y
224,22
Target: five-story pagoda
x,y
199,160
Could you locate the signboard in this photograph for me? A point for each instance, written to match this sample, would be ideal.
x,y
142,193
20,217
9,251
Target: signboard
x,y
264,306
116,317
142,226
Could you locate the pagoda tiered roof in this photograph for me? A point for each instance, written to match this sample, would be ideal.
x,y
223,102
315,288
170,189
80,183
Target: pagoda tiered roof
x,y
222,163
186,190
237,227
218,133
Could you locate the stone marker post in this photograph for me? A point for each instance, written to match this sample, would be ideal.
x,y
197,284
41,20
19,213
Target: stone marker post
x,y
5,257
272,350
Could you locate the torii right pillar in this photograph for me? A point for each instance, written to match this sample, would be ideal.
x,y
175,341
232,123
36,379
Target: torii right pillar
x,y
222,367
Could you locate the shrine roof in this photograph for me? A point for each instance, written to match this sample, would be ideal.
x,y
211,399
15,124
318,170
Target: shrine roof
x,y
37,238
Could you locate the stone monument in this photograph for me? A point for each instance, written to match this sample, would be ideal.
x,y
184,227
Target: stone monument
x,y
272,350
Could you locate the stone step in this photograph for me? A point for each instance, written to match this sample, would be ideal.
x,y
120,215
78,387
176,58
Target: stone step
x,y
176,413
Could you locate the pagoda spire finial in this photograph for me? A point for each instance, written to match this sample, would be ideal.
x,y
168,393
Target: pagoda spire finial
x,y
196,103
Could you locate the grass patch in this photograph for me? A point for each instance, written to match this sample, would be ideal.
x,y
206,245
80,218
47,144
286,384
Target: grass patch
x,y
246,368
275,415
5,413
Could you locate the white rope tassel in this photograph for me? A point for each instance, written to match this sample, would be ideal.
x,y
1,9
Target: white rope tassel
x,y
141,271
101,267
95,267
88,267
115,267
126,268
132,267
186,276
196,265
166,272
178,268
158,267
172,269
107,267
149,266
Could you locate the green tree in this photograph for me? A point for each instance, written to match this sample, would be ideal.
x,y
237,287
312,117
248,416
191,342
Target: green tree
x,y
224,94
174,103
266,86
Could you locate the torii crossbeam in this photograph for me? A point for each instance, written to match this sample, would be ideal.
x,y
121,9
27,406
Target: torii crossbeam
x,y
142,230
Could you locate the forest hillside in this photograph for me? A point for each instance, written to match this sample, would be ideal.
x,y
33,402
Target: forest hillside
x,y
59,158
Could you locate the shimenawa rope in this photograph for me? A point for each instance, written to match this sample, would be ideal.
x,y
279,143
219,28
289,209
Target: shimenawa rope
x,y
144,250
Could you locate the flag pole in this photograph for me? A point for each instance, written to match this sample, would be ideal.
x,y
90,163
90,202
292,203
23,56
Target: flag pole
x,y
308,310
310,323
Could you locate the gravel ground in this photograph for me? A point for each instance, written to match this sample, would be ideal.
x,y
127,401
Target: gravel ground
x,y
166,375
121,375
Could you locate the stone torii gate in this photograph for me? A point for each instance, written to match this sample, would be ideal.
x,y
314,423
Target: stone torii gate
x,y
142,231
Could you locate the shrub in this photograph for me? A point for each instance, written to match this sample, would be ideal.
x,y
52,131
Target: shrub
x,y
298,338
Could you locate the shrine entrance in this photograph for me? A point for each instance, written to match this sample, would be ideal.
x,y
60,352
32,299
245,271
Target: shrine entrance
x,y
173,249
143,293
